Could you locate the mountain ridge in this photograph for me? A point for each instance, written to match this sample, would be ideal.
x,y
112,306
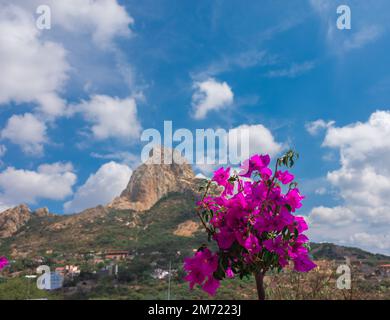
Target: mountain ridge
x,y
158,196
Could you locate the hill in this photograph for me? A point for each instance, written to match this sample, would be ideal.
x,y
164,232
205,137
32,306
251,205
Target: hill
x,y
169,226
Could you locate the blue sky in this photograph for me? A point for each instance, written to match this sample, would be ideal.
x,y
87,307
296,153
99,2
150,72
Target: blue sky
x,y
74,99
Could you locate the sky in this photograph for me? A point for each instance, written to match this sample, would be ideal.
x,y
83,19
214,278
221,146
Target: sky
x,y
75,98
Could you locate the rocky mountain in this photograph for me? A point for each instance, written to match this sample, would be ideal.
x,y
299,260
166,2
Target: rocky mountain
x,y
154,191
13,219
154,180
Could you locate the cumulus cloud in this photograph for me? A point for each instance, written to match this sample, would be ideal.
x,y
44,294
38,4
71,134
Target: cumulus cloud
x,y
32,69
261,140
49,181
315,127
100,188
210,95
377,241
27,131
240,142
363,181
110,117
103,19
35,69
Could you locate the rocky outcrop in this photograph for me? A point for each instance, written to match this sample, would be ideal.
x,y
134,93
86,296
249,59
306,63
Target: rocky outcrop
x,y
186,229
153,180
42,212
13,219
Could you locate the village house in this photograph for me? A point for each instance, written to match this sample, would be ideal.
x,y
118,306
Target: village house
x,y
68,269
116,255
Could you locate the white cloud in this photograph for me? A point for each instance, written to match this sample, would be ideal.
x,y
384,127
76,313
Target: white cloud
x,y
261,140
111,117
27,131
315,127
296,69
35,69
381,242
337,216
49,181
210,95
32,70
104,19
101,187
363,181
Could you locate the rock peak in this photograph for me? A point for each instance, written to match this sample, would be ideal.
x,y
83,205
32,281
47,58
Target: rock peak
x,y
155,179
13,219
42,212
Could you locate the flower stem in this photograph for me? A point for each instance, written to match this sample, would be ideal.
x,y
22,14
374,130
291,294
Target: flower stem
x,y
260,285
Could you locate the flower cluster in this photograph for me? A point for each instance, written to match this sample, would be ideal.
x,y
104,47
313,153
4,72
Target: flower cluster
x,y
200,270
252,222
3,262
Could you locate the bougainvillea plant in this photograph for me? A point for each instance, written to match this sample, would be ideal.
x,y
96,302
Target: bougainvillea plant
x,y
3,262
253,223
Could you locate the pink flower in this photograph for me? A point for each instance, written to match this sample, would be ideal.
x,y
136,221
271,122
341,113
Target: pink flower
x,y
255,163
211,286
265,173
252,244
276,245
195,277
201,266
3,262
303,264
297,248
284,177
221,176
229,273
225,238
294,199
301,224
